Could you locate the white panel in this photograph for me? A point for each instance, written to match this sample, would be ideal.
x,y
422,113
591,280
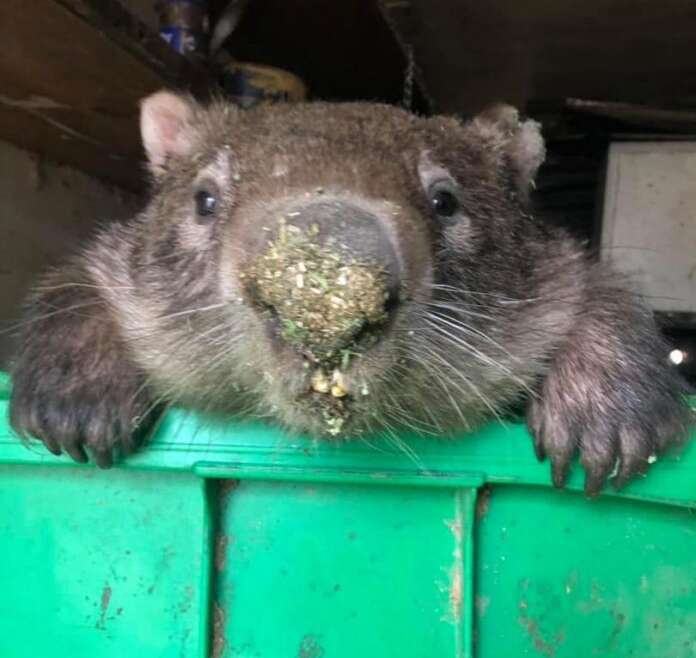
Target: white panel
x,y
649,223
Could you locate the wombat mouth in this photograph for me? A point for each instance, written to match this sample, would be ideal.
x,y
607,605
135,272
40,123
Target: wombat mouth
x,y
332,398
333,413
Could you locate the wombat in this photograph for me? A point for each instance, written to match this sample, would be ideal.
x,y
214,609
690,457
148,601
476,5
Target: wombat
x,y
344,269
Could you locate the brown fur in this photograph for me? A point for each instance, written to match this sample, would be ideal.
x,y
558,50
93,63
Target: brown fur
x,y
495,306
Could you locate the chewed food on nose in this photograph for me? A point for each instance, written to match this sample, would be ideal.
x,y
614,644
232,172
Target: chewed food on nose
x,y
324,300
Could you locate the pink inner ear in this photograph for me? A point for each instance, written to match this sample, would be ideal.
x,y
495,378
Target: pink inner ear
x,y
169,125
165,127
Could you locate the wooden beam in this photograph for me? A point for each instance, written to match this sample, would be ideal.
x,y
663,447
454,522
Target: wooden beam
x,y
474,53
654,118
71,75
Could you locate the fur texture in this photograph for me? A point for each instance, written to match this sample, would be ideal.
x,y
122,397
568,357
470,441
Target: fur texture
x,y
495,307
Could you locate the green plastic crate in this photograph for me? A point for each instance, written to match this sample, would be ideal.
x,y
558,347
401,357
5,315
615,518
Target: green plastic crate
x,y
240,541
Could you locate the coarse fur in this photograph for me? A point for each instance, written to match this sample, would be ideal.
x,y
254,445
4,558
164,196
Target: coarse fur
x,y
495,308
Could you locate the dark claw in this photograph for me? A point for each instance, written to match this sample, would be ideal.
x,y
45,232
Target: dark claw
x,y
77,452
630,466
559,472
539,450
103,458
535,424
52,446
598,452
594,481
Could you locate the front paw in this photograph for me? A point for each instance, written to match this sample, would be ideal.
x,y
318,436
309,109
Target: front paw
x,y
81,419
616,427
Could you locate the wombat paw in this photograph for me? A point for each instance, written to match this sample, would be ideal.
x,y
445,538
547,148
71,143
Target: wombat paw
x,y
613,437
80,422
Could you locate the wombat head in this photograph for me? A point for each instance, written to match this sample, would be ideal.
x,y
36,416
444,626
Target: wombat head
x,y
341,267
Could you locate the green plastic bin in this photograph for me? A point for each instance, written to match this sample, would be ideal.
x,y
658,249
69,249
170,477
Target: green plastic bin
x,y
240,541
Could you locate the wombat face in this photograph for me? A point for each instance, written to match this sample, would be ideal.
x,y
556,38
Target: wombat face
x,y
344,268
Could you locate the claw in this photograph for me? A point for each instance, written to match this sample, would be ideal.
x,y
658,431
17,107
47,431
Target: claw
x,y
635,456
561,447
536,429
77,452
539,450
594,481
599,451
52,446
103,458
559,472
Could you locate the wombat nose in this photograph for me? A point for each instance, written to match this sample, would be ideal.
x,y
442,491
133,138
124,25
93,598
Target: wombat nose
x,y
327,280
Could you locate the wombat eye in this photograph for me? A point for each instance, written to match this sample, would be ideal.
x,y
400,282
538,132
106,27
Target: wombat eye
x,y
444,202
206,203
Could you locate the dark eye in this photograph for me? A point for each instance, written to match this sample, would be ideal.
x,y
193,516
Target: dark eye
x,y
444,203
206,203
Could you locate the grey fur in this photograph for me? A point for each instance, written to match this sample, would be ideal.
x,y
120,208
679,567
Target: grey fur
x,y
496,307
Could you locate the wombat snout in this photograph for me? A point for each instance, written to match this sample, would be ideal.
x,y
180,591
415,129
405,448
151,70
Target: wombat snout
x,y
327,281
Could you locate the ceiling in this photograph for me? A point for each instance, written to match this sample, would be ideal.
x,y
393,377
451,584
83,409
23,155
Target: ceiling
x,y
473,53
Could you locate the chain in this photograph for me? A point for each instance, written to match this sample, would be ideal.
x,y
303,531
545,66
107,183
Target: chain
x,y
409,75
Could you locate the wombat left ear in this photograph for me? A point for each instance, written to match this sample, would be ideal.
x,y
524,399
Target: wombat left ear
x,y
520,142
166,128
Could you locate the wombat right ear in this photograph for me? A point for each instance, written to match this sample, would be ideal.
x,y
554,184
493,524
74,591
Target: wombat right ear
x,y
166,128
519,140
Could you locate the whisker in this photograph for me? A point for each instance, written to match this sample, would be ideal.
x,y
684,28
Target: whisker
x,y
444,383
475,293
467,328
467,382
481,356
470,349
45,316
460,310
77,284
190,311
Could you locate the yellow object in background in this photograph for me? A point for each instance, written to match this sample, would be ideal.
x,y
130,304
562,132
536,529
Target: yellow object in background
x,y
249,84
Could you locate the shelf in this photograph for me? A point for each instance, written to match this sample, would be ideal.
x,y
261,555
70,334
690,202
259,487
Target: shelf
x,y
71,75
